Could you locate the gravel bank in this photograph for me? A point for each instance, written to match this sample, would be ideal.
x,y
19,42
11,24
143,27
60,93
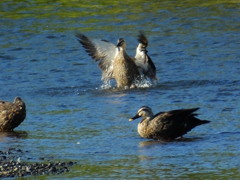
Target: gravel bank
x,y
12,166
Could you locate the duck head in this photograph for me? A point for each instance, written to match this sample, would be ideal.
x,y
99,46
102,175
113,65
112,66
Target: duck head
x,y
142,39
141,53
121,43
19,102
142,48
144,112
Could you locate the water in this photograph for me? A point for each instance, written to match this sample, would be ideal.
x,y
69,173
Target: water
x,y
195,47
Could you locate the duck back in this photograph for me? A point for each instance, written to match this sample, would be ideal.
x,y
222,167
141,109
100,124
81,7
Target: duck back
x,y
11,115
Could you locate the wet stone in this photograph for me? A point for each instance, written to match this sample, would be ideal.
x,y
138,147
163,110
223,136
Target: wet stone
x,y
12,166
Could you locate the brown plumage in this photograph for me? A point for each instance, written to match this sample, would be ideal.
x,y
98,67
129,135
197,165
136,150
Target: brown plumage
x,y
115,62
166,125
125,71
12,114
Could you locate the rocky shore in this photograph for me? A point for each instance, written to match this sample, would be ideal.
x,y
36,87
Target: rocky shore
x,y
11,165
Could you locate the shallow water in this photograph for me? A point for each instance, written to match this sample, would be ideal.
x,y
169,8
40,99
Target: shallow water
x,y
195,47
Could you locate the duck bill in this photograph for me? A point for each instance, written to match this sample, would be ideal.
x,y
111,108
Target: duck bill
x,y
135,117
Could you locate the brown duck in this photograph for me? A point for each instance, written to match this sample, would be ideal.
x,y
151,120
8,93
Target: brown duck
x,y
115,62
12,114
166,125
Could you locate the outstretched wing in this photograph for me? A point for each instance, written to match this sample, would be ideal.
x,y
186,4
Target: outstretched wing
x,y
151,72
100,50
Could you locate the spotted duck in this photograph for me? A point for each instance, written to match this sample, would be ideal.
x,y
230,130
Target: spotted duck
x,y
12,114
116,64
143,60
166,125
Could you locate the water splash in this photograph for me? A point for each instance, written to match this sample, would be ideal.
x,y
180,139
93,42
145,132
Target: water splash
x,y
145,83
140,83
107,85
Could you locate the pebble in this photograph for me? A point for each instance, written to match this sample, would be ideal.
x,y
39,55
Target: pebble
x,y
11,165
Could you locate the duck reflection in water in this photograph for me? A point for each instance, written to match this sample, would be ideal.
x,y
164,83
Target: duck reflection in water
x,y
168,125
13,135
153,143
115,63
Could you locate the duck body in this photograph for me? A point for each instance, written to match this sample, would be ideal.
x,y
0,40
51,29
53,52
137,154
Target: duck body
x,y
12,114
167,125
145,64
115,62
125,71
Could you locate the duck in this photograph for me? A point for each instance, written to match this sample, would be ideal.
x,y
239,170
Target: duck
x,y
144,62
125,71
12,114
167,125
116,64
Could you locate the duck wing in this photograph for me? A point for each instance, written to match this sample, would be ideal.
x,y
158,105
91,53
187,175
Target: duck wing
x,y
102,51
175,117
175,123
183,112
151,72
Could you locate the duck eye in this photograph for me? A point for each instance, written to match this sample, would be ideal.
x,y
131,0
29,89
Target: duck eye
x,y
142,113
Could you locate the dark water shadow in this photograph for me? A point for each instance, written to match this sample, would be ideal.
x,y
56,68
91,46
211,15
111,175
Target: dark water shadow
x,y
152,143
13,134
59,91
185,84
7,57
229,133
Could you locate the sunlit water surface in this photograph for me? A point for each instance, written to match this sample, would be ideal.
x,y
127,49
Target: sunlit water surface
x,y
195,48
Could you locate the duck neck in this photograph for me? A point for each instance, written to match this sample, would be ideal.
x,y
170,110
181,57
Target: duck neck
x,y
139,53
120,50
148,117
122,54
